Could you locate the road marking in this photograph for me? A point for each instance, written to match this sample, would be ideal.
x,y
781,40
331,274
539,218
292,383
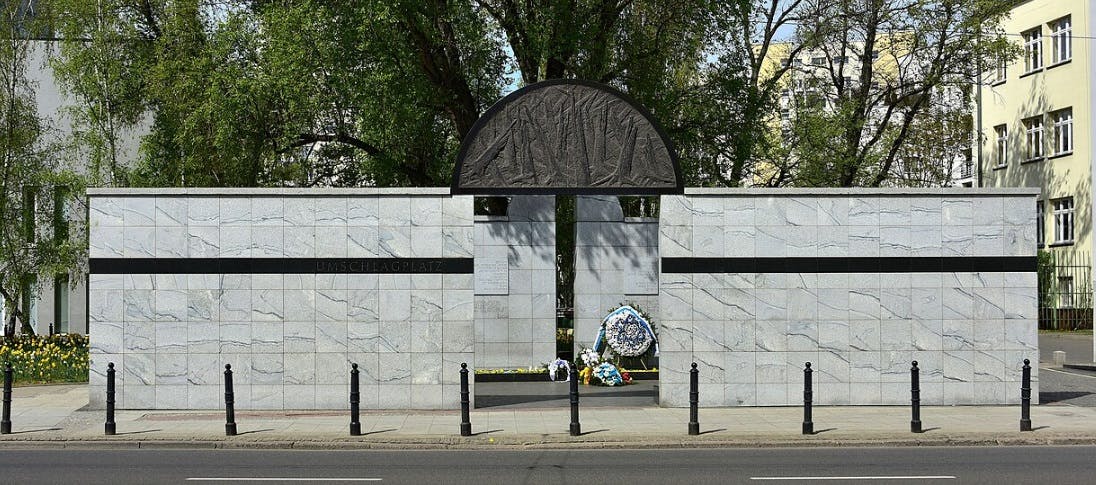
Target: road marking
x,y
908,477
277,479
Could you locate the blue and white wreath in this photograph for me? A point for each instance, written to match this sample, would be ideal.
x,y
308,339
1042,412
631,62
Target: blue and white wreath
x,y
608,374
555,365
626,332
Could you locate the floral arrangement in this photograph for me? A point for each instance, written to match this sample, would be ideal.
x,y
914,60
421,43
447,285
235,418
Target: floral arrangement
x,y
594,371
627,332
46,359
608,374
554,367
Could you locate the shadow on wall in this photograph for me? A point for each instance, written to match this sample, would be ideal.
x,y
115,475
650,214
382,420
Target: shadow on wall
x,y
1057,176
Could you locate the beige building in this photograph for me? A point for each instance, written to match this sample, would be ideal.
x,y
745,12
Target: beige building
x,y
1035,124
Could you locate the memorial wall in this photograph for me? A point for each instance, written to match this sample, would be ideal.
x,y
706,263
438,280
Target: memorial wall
x,y
859,282
288,286
291,286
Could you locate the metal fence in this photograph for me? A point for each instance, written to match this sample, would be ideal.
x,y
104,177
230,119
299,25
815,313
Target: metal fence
x,y
1065,290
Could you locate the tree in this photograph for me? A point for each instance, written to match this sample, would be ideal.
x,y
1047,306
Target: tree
x,y
887,74
32,180
377,92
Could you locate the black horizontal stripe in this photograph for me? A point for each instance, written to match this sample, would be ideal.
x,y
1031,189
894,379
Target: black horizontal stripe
x,y
944,264
280,265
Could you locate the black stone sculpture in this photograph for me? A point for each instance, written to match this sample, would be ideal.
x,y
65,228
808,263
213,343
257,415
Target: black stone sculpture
x,y
566,137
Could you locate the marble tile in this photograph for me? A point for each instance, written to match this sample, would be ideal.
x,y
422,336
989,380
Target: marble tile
x,y
235,211
363,211
332,305
332,241
203,337
331,337
267,211
299,211
234,337
395,368
106,211
268,337
300,369
139,211
105,242
267,369
235,241
267,305
203,211
363,241
203,242
139,242
171,369
206,369
957,212
299,337
299,241
395,211
395,337
426,241
267,242
394,242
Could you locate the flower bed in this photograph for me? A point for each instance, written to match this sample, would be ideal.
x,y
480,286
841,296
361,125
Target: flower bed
x,y
46,359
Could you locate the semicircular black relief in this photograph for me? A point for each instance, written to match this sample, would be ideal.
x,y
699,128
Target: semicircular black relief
x,y
566,137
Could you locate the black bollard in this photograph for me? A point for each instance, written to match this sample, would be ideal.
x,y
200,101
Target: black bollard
x,y
576,429
355,400
694,400
1025,398
915,400
808,425
109,427
5,423
230,411
465,419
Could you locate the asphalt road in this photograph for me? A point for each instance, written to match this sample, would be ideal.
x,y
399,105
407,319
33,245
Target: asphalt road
x,y
989,465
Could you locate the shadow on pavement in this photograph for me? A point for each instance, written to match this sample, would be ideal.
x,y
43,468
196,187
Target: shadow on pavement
x,y
1059,396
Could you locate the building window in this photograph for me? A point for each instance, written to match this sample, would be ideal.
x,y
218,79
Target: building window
x,y
1063,131
1001,71
1063,220
1040,224
60,304
784,62
818,61
1065,292
1033,50
874,55
1061,37
1034,129
1002,144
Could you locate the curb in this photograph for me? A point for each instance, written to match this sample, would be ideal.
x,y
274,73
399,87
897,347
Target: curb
x,y
546,443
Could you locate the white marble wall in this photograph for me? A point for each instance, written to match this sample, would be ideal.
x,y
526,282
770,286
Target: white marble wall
x,y
751,333
289,337
518,329
616,261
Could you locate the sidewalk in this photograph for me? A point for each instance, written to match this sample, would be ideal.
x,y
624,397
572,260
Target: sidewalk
x,y
52,416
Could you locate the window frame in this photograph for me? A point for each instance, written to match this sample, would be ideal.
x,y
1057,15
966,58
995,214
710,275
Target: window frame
x,y
1035,138
1061,39
1063,127
1040,224
1033,49
1064,212
1001,148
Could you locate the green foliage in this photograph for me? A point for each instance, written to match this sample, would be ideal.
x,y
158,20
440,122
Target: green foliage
x,y
46,359
33,179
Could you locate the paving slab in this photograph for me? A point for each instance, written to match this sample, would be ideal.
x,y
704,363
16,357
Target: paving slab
x,y
57,417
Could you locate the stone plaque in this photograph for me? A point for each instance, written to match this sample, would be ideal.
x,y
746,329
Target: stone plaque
x,y
640,281
492,276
